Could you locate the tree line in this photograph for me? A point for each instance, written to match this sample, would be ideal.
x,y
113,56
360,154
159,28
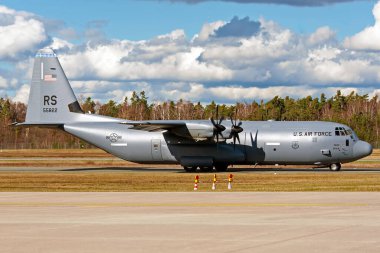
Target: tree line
x,y
357,111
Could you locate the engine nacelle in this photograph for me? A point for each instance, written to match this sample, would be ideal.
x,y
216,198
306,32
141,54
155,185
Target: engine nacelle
x,y
201,131
197,131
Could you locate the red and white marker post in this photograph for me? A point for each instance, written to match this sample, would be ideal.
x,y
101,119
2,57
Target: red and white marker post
x,y
196,181
214,183
230,179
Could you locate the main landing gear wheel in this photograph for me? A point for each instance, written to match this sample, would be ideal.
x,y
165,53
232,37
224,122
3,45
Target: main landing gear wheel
x,y
221,167
190,169
335,167
206,168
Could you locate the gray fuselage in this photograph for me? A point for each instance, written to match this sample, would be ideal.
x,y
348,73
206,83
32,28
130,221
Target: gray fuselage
x,y
261,142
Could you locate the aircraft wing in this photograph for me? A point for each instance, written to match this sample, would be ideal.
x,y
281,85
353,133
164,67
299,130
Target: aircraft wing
x,y
179,128
153,126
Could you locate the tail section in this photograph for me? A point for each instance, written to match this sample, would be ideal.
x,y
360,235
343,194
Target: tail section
x,y
51,99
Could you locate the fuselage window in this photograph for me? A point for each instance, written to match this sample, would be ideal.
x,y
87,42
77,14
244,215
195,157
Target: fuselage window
x,y
347,142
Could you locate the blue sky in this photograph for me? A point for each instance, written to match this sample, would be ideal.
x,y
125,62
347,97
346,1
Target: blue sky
x,y
136,19
211,50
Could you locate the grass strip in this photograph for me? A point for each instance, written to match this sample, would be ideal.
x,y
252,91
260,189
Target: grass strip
x,y
182,182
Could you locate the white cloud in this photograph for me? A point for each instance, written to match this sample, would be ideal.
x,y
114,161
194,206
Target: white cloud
x,y
22,94
3,83
324,53
111,62
178,34
208,30
239,93
19,33
369,38
375,93
58,44
195,92
256,50
322,35
171,67
206,67
105,90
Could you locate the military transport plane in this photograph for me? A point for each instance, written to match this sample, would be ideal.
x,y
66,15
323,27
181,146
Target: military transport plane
x,y
203,144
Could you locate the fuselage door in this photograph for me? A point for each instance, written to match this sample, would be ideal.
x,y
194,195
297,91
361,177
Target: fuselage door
x,y
347,147
273,151
156,150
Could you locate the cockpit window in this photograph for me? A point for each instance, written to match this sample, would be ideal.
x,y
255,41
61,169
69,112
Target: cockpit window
x,y
341,131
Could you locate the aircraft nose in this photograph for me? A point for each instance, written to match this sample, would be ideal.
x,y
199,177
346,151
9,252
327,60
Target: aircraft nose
x,y
362,149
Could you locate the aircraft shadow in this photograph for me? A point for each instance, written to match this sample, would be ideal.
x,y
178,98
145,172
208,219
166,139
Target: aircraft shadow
x,y
125,169
249,169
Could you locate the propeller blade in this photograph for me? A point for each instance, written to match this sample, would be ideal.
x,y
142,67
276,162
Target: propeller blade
x,y
235,128
218,127
217,112
221,119
213,122
236,111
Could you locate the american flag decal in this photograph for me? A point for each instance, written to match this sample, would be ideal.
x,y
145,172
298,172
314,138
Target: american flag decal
x,y
50,78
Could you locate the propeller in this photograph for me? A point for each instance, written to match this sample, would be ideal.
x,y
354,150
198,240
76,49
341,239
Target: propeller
x,y
236,129
218,127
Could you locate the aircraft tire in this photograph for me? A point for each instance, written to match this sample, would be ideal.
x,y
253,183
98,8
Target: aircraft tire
x,y
206,168
190,169
221,167
335,167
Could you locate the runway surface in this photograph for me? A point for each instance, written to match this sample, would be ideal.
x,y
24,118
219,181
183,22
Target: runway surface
x,y
190,222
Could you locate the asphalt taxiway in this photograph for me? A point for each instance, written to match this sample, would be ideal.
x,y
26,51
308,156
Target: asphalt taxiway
x,y
190,222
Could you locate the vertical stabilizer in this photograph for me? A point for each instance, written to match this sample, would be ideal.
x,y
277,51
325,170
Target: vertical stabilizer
x,y
51,99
